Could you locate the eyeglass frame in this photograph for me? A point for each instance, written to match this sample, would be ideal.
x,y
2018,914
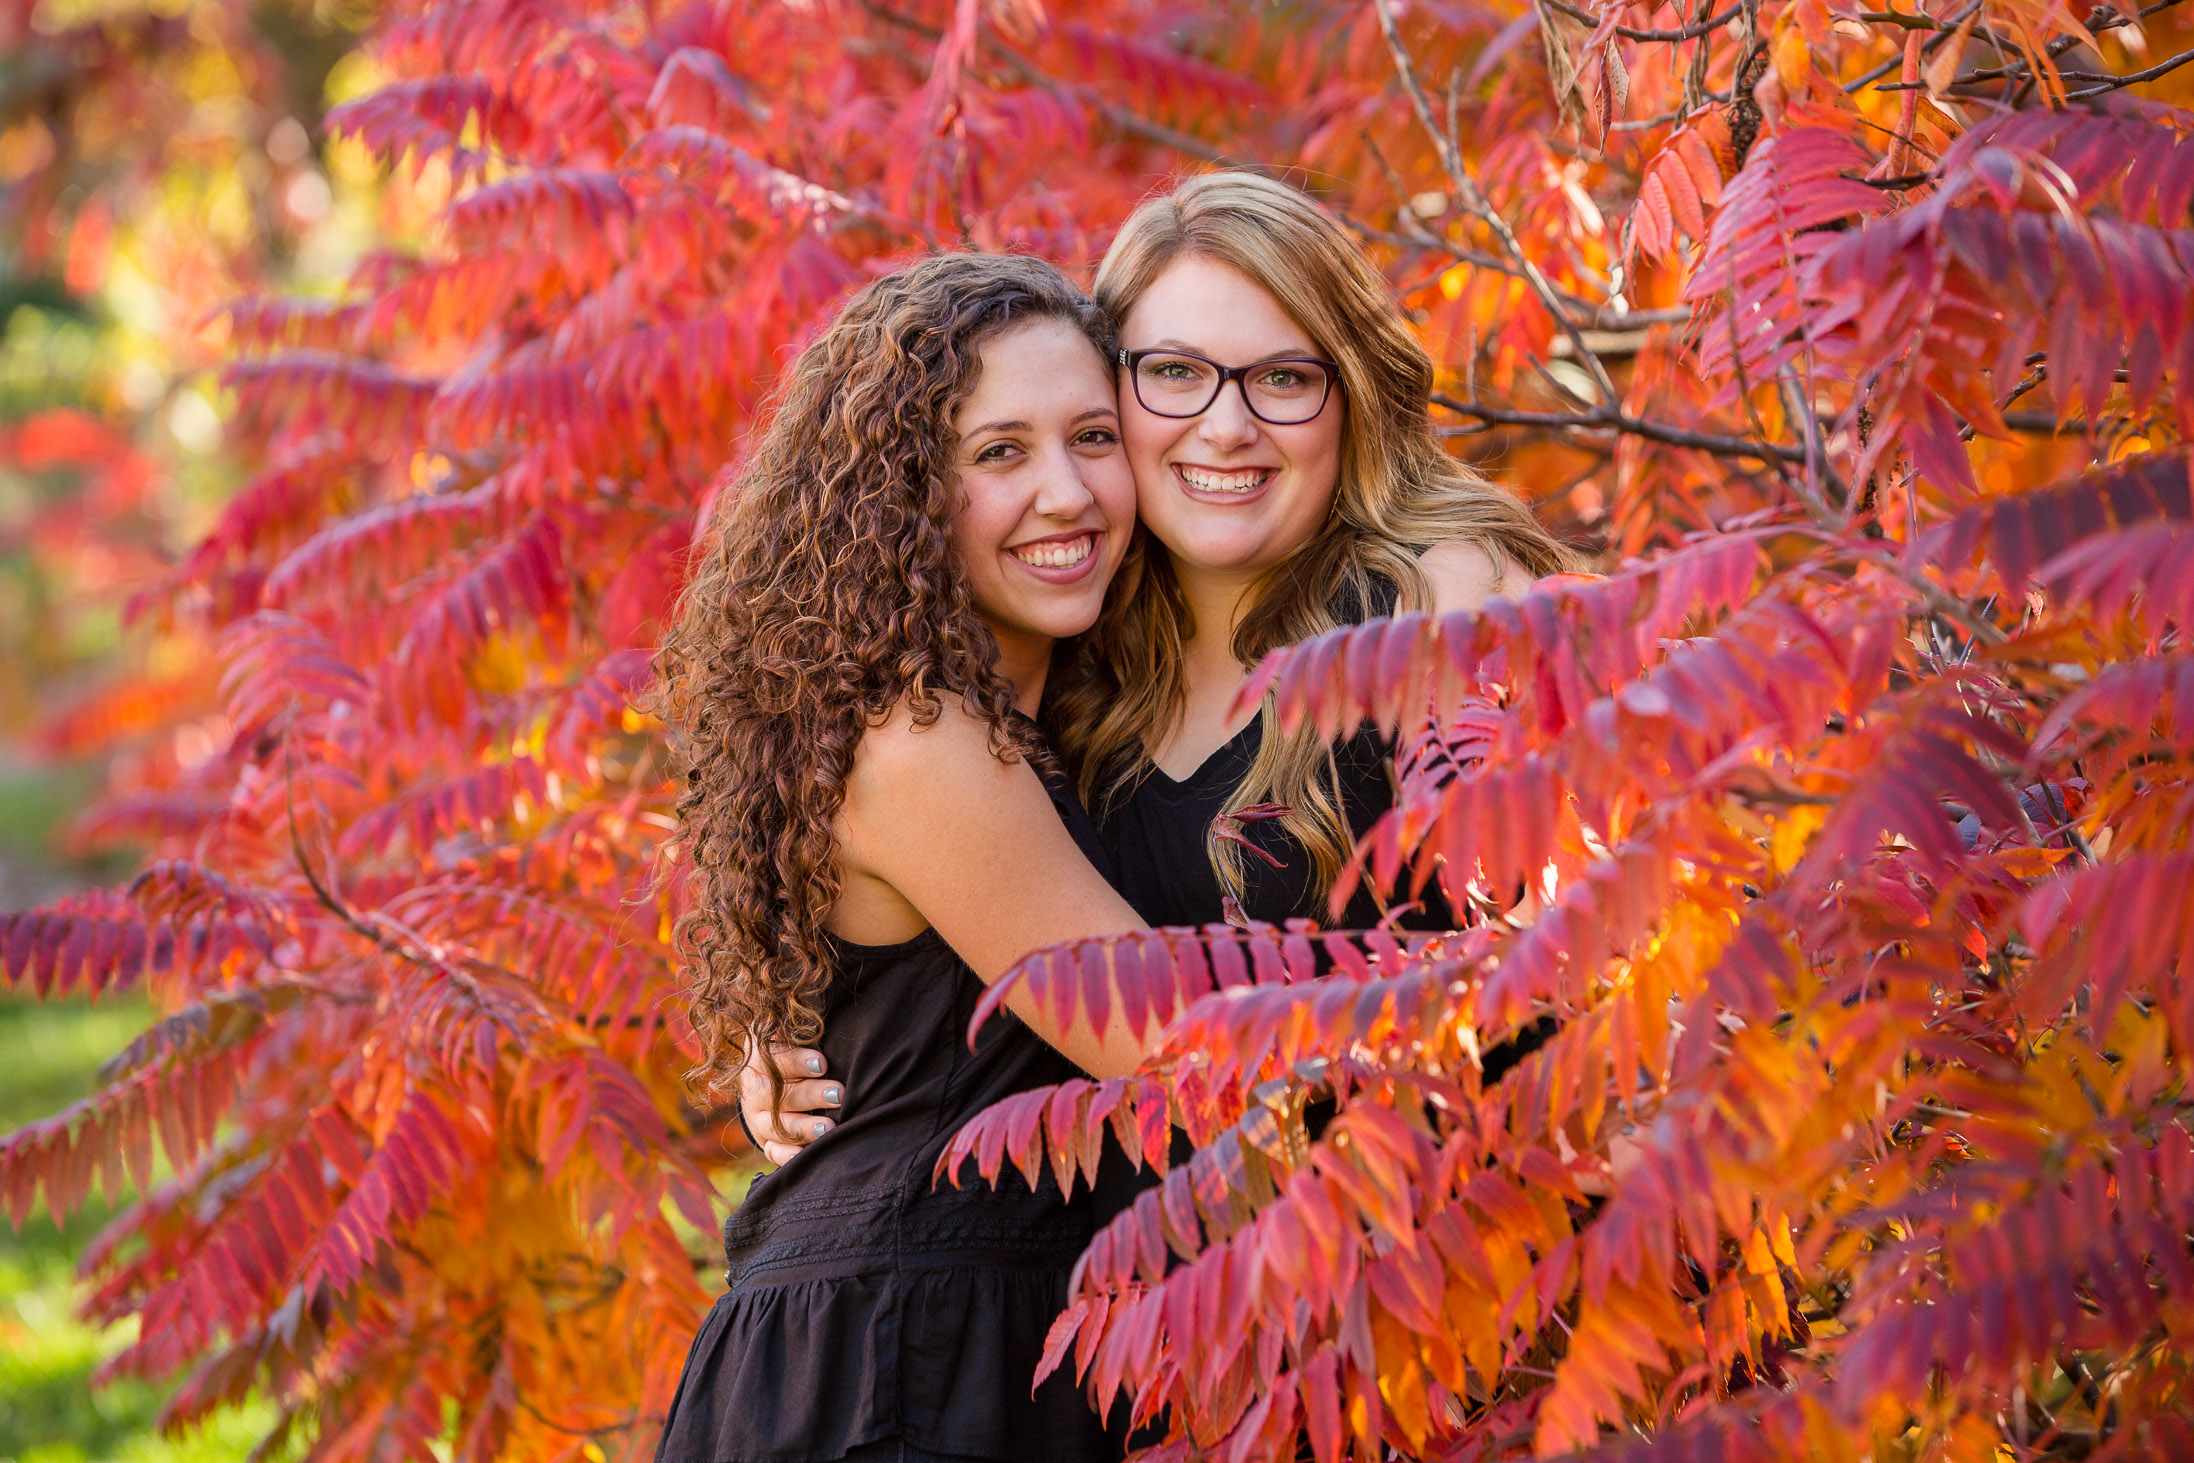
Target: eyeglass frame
x,y
1239,375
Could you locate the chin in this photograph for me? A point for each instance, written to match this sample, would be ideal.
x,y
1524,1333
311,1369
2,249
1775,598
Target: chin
x,y
1059,621
1224,551
1066,627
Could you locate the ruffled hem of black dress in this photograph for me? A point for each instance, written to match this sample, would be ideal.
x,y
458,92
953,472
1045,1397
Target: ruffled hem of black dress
x,y
942,1359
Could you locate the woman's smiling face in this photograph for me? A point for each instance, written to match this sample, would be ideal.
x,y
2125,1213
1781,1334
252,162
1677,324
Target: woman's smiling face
x,y
1048,502
1225,491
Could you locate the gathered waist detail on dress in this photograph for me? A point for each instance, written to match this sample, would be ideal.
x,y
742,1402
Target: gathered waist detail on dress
x,y
799,1236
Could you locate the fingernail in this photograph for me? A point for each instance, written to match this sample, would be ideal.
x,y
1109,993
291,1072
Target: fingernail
x,y
815,1066
833,1096
821,1129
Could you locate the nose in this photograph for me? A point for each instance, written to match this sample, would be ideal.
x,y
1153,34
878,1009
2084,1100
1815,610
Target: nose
x,y
1227,422
1060,491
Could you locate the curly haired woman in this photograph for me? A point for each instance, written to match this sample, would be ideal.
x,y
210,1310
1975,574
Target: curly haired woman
x,y
941,494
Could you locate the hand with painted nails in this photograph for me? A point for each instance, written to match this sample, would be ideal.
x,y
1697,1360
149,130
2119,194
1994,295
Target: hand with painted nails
x,y
802,1115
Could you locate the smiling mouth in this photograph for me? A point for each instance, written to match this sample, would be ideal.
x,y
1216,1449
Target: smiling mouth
x,y
1056,553
1204,480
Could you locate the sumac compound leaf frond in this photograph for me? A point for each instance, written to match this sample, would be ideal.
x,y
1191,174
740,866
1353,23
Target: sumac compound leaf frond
x,y
98,942
110,1135
1146,977
2019,532
313,390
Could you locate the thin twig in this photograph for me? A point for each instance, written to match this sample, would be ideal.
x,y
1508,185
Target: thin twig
x,y
1127,121
385,933
1473,198
1405,215
2104,19
1647,124
1908,22
2032,379
1433,244
1938,600
2114,83
1819,473
2046,422
1583,313
2015,69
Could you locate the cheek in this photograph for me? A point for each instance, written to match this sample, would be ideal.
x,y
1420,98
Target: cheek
x,y
1314,459
1113,486
1150,481
977,533
1146,436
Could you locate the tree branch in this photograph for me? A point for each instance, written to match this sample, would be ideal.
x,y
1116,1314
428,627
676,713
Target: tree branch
x,y
1631,33
1610,419
1897,61
2104,19
1908,22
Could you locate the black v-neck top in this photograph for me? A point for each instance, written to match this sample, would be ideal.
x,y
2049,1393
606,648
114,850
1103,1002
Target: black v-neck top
x,y
1157,837
1157,832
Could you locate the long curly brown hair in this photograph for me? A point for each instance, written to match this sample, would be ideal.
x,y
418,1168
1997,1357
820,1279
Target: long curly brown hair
x,y
825,593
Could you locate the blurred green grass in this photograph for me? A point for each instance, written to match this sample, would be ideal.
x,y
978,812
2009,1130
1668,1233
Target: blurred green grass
x,y
49,1053
49,1412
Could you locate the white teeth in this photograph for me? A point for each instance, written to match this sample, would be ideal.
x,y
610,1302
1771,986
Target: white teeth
x,y
1057,555
1223,482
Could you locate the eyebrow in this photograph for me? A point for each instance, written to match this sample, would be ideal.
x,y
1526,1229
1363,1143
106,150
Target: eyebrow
x,y
1095,411
1304,353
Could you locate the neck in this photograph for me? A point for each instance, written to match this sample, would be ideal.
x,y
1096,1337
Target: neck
x,y
1024,660
1217,600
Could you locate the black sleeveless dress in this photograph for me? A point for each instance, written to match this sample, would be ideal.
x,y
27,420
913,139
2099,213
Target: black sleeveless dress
x,y
866,1304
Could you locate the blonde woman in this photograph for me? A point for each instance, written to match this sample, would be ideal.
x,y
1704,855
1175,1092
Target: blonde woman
x,y
1274,408
1274,404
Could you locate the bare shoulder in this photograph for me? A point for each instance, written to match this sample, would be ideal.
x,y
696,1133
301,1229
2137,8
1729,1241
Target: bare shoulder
x,y
901,747
929,811
1464,575
942,769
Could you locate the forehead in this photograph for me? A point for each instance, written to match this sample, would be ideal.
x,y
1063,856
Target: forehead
x,y
1215,310
1034,369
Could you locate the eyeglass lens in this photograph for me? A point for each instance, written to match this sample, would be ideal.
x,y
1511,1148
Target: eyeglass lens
x,y
1281,392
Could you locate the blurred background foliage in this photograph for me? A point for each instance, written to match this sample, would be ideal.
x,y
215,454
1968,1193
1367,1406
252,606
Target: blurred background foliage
x,y
155,160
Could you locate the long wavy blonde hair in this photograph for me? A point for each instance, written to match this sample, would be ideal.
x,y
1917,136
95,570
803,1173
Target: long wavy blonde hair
x,y
826,593
1399,494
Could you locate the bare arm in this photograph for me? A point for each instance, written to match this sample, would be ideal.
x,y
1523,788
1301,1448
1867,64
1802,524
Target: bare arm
x,y
936,831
